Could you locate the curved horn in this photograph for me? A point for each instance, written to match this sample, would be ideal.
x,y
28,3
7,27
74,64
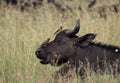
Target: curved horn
x,y
75,31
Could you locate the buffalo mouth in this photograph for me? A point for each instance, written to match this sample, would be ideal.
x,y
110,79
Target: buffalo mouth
x,y
44,61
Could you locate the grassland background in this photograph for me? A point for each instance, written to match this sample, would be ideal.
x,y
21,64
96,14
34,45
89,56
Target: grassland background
x,y
22,32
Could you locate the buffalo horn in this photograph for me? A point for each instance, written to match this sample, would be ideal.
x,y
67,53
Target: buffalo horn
x,y
75,30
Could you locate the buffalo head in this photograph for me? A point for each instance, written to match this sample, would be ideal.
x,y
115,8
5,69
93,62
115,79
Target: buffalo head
x,y
60,49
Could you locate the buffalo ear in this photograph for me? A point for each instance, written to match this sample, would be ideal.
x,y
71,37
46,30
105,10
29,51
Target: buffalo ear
x,y
85,40
89,37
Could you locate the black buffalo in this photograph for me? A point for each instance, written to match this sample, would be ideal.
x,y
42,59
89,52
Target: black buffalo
x,y
77,52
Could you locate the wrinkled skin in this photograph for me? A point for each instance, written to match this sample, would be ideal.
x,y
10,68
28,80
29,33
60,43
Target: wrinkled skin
x,y
78,51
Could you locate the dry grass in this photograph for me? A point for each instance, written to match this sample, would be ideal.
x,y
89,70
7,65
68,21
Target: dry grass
x,y
21,33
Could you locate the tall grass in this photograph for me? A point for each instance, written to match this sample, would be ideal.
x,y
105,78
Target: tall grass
x,y
22,32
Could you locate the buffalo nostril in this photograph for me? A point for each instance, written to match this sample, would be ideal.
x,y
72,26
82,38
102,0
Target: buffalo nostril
x,y
37,52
